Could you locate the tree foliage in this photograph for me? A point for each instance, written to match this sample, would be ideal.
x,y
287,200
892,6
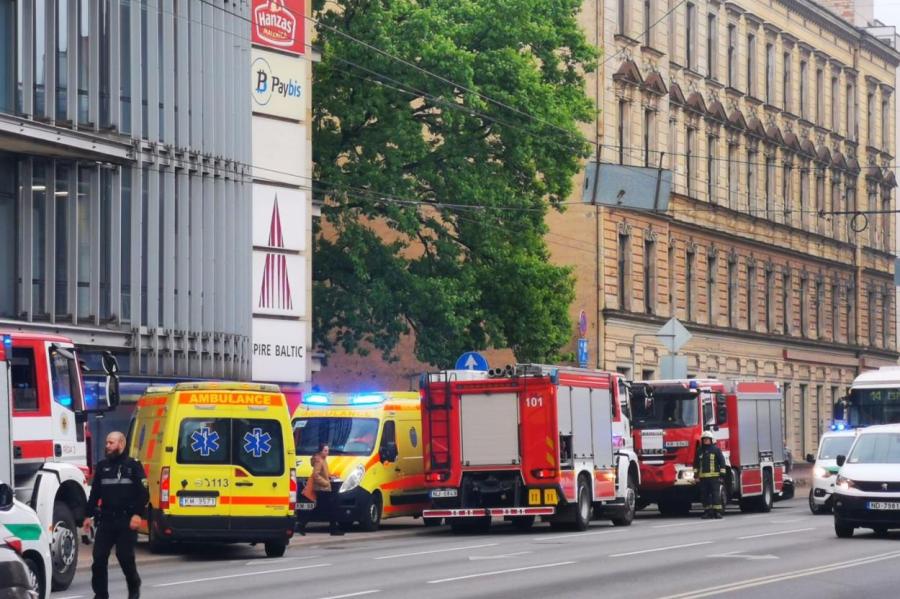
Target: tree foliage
x,y
434,194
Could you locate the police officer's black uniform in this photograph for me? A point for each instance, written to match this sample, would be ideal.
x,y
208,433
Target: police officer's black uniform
x,y
119,491
710,468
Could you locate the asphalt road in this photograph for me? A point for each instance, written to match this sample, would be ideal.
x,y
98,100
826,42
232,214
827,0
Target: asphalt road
x,y
788,551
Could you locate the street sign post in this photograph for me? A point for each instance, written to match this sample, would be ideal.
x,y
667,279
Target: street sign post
x,y
471,361
582,353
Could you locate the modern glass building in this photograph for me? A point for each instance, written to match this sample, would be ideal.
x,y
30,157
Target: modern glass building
x,y
125,179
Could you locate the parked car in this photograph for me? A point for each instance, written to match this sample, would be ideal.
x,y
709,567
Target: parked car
x,y
825,468
867,489
15,581
21,529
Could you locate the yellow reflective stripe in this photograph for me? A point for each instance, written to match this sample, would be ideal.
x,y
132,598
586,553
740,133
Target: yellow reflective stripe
x,y
709,475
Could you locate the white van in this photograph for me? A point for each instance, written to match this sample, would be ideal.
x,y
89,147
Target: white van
x,y
21,522
825,468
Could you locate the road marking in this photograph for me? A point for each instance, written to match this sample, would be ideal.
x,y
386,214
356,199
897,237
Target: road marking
x,y
580,534
755,582
773,534
256,562
71,597
474,558
661,549
429,552
735,554
788,521
498,572
359,594
687,524
172,584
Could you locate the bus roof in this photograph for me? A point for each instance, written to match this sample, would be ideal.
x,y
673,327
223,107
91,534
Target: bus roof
x,y
886,376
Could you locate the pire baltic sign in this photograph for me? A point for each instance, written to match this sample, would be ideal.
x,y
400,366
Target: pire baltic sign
x,y
279,24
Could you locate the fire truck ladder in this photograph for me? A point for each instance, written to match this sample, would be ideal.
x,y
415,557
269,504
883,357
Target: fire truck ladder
x,y
439,420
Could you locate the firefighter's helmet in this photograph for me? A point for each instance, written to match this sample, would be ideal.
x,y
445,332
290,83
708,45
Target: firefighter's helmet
x,y
708,435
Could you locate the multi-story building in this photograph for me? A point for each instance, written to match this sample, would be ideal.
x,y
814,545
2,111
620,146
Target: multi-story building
x,y
127,179
777,121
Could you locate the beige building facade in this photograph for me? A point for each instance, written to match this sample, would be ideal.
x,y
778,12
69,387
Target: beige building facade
x,y
777,121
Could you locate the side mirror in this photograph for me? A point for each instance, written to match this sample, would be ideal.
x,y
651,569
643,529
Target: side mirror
x,y
810,458
111,367
722,414
6,497
841,459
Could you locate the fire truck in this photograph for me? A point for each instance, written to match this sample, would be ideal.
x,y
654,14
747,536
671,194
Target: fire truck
x,y
746,419
44,387
528,441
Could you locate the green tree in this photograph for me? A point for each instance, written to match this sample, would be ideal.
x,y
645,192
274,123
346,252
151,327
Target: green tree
x,y
464,265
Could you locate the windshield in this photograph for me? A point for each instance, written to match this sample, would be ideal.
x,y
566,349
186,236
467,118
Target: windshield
x,y
345,436
64,379
874,406
876,448
667,411
834,446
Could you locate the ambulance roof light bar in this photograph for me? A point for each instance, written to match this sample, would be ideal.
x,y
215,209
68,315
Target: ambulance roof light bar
x,y
367,399
320,399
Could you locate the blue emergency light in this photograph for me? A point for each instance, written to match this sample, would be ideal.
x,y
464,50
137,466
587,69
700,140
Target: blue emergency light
x,y
316,398
693,384
839,426
367,399
6,347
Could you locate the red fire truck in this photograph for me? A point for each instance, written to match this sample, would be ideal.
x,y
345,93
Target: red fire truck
x,y
528,441
49,415
745,417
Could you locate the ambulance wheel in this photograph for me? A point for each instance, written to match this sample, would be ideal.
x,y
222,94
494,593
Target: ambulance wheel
x,y
157,545
583,507
370,518
523,523
275,548
63,547
626,516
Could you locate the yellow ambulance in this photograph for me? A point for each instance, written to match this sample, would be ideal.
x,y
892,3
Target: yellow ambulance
x,y
219,458
375,444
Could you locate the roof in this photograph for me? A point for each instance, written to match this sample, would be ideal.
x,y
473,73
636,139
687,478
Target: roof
x,y
35,337
880,428
884,376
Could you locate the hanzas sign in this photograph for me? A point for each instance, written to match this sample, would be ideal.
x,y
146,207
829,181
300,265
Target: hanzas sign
x,y
279,24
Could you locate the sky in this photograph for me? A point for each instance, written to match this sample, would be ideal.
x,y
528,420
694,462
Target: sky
x,y
888,12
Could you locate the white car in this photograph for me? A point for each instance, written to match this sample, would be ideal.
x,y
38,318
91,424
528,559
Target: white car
x,y
19,521
867,490
825,468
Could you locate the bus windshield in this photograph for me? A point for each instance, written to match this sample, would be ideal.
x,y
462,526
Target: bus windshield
x,y
666,411
344,435
874,406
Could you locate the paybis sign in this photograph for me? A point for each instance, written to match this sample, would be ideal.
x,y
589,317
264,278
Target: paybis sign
x,y
278,85
279,24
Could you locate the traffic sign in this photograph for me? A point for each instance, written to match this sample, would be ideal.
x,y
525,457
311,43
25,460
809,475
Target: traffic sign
x,y
582,323
673,334
582,353
471,360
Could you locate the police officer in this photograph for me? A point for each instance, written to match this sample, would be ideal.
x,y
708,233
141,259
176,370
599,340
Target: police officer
x,y
118,501
710,469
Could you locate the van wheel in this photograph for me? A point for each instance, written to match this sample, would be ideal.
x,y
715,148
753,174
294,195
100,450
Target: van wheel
x,y
370,518
63,547
583,506
275,548
815,508
36,580
843,531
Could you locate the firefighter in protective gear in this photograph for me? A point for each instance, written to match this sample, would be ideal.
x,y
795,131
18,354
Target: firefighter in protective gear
x,y
710,470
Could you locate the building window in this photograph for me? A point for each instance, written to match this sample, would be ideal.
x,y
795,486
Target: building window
x,y
835,312
649,133
886,126
689,160
870,119
851,315
623,17
769,304
871,316
820,192
672,141
751,64
648,23
63,205
886,320
820,98
711,171
835,105
691,36
820,308
624,271
84,70
786,83
886,208
751,296
732,290
804,194
62,61
770,186
125,67
673,22
712,46
732,175
712,267
752,167
620,130
787,181
804,307
786,312
770,74
671,256
732,54
649,275
837,224
689,257
851,108
803,82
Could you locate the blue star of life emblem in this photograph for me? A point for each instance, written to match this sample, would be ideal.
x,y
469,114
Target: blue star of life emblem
x,y
204,441
257,443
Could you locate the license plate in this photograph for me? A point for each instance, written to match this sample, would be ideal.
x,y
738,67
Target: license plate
x,y
197,501
306,507
883,505
438,493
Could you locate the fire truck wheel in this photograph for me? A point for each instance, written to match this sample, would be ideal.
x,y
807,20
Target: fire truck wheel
x,y
370,518
768,495
63,546
523,523
627,515
583,506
